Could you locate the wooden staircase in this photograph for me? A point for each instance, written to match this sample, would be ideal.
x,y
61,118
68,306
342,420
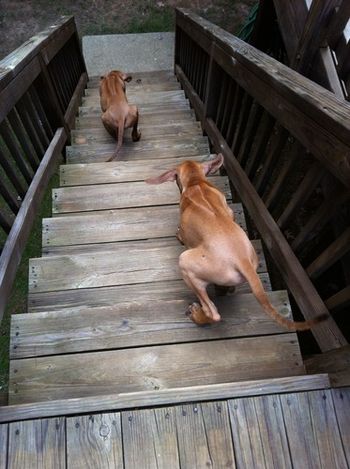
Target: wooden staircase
x,y
106,300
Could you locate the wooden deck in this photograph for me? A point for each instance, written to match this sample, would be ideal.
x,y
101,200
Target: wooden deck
x,y
107,317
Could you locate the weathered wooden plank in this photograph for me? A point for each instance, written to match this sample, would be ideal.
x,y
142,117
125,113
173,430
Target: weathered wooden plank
x,y
119,171
134,87
158,367
37,443
339,299
71,111
144,108
139,323
259,436
118,225
335,362
149,77
132,151
77,300
300,432
203,435
143,399
178,129
143,94
182,115
94,441
138,99
3,445
128,194
150,438
114,264
326,429
341,401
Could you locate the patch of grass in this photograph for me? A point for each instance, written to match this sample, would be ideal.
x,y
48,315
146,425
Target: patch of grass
x,y
153,20
18,300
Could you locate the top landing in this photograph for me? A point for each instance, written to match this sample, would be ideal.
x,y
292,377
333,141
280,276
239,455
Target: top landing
x,y
129,52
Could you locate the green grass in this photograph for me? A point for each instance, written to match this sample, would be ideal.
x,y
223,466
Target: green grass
x,y
153,20
18,300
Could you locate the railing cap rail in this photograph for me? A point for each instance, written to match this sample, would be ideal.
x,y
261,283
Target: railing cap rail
x,y
14,62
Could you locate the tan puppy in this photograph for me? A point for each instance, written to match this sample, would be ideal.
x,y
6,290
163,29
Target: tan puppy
x,y
117,114
219,252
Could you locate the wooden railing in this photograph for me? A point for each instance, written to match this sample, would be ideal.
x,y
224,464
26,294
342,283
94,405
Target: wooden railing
x,y
40,87
281,136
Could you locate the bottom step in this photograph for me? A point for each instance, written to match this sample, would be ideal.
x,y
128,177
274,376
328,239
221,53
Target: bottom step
x,y
156,367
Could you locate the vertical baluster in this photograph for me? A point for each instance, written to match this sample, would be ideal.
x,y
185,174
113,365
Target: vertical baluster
x,y
15,151
12,174
23,138
262,137
5,222
254,117
228,107
8,195
40,131
238,96
278,142
222,101
242,121
29,127
41,112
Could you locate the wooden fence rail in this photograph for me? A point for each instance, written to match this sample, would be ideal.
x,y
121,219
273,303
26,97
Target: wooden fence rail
x,y
40,87
281,135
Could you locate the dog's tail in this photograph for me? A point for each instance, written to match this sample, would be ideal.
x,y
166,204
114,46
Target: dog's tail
x,y
119,135
258,290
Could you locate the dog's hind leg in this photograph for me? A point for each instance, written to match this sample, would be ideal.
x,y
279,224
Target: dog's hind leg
x,y
206,312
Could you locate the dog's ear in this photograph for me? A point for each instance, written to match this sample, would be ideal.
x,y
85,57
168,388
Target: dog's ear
x,y
210,167
165,177
126,77
102,77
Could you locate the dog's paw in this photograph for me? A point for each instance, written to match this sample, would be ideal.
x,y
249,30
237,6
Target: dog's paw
x,y
196,314
137,137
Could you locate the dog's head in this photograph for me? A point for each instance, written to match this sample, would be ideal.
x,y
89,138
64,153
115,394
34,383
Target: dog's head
x,y
121,77
187,171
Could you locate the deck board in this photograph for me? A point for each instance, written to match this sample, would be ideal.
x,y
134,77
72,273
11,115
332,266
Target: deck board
x,y
150,438
139,323
119,171
94,441
154,367
118,225
37,444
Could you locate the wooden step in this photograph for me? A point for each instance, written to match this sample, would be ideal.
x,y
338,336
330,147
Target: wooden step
x,y
155,367
110,265
117,225
147,78
156,118
148,132
144,108
119,171
140,92
83,299
140,98
149,149
139,323
134,86
123,195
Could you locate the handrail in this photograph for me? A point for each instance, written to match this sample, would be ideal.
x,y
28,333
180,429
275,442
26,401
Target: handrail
x,y
250,105
41,83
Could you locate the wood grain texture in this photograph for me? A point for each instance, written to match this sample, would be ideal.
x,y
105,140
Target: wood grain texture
x,y
120,171
150,438
3,444
94,441
77,300
158,367
111,196
140,98
341,401
145,399
118,225
160,117
37,443
144,108
258,431
123,263
139,150
137,324
149,132
335,362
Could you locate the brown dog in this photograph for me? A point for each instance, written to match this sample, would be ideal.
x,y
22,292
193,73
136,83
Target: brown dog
x,y
117,114
219,252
